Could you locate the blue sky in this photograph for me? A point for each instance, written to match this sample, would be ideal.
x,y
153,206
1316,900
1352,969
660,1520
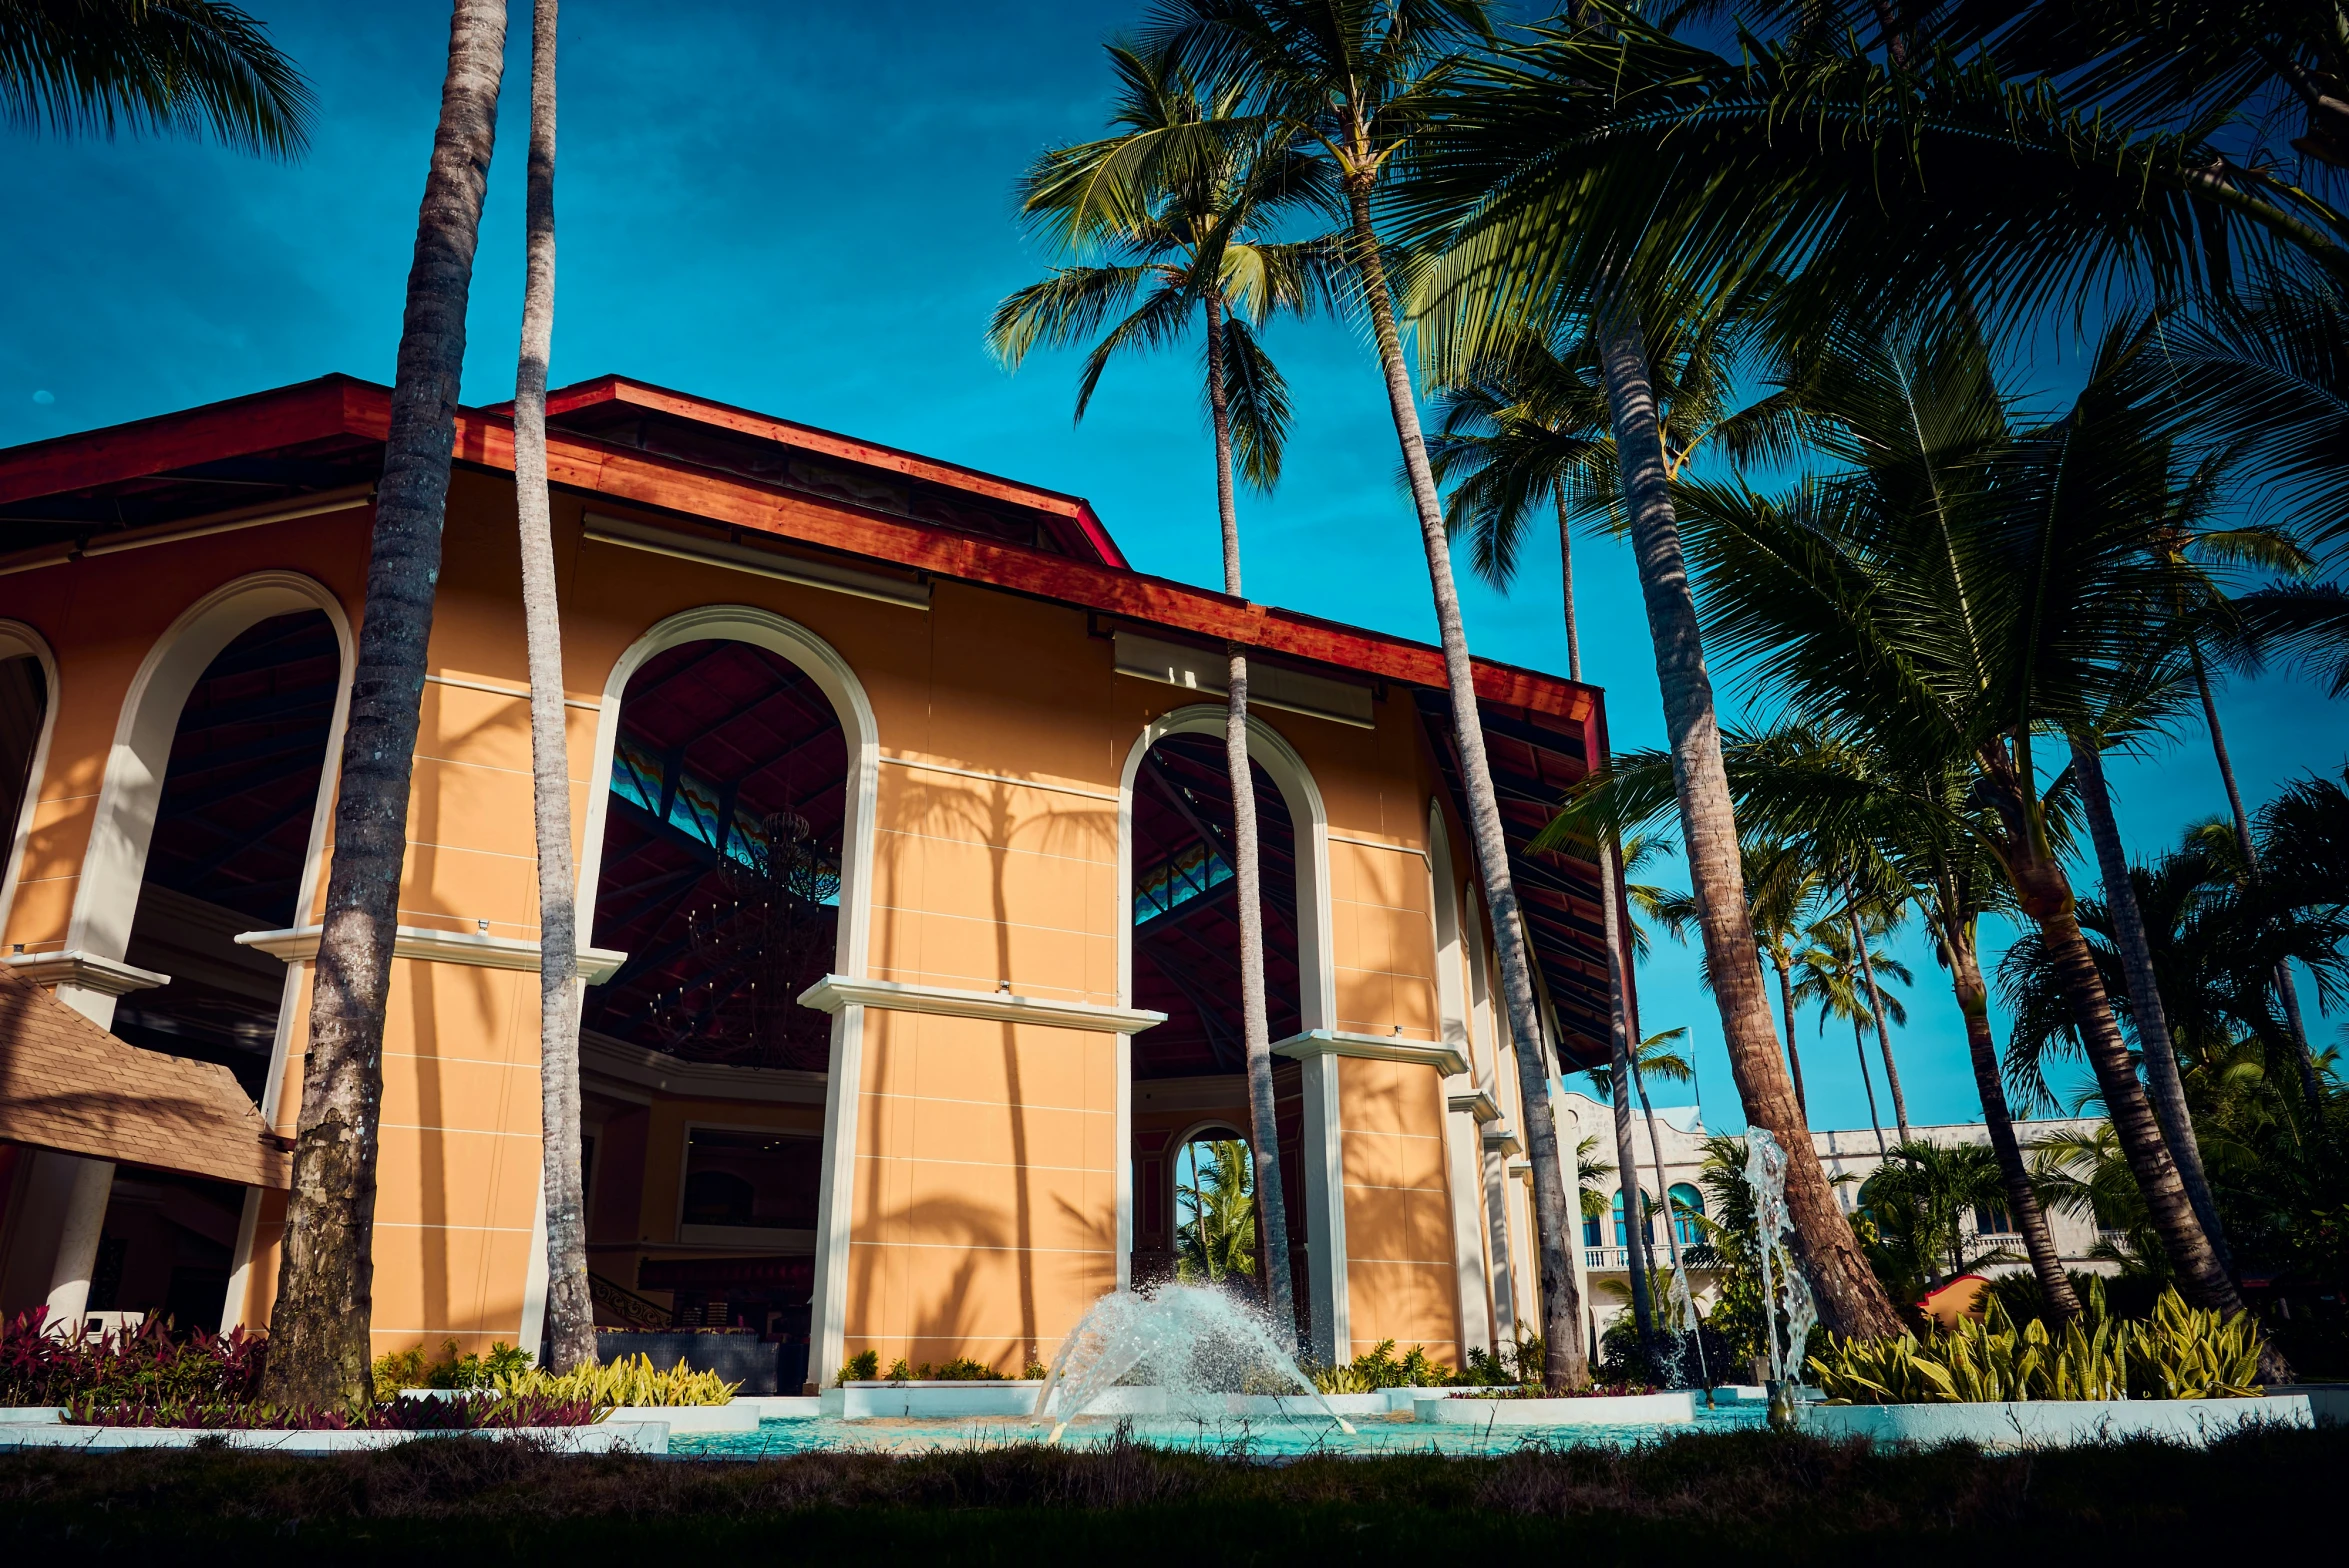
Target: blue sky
x,y
806,210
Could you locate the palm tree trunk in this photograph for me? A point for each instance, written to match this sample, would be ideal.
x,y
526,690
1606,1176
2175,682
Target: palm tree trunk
x,y
2046,897
1619,1031
1272,1219
2287,990
319,1351
1566,580
1794,1057
1851,1300
1900,1104
570,1311
2022,1199
1859,1044
1561,1304
2145,1010
1656,1157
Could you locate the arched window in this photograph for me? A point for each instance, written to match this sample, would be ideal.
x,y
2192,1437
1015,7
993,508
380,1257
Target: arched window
x,y
1688,1205
1647,1214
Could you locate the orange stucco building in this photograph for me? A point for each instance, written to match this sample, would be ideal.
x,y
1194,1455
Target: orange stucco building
x,y
904,836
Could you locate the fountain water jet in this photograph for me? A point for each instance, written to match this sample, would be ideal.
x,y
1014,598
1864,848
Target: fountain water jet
x,y
1765,1173
1188,1340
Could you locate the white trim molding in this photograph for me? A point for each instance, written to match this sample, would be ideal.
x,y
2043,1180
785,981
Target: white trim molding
x,y
299,945
1304,1047
686,545
836,992
1500,1137
85,972
18,640
1479,1105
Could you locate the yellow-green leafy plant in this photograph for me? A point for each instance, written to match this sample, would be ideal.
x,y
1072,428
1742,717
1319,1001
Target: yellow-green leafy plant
x,y
2177,1353
863,1367
632,1380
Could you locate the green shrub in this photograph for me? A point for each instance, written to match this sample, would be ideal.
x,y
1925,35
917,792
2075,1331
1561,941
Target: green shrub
x,y
400,1369
862,1367
1378,1368
2177,1353
631,1380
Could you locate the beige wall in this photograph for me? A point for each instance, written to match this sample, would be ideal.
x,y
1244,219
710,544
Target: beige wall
x,y
986,1179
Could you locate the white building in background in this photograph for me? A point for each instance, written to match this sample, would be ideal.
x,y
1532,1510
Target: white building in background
x,y
1849,1155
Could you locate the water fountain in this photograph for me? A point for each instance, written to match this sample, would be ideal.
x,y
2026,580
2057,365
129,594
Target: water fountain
x,y
1765,1173
1193,1343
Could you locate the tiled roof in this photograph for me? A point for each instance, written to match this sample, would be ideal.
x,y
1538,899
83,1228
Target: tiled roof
x,y
67,1084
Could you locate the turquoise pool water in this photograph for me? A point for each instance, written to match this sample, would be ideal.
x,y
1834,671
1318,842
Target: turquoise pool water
x,y
1266,1439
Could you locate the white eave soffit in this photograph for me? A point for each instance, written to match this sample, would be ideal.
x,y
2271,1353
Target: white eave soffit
x,y
1269,685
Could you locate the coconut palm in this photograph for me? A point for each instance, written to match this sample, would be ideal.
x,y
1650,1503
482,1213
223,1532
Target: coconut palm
x,y
318,1348
1834,974
169,67
1918,1201
1475,301
1962,587
1348,82
570,1312
1219,1239
1168,217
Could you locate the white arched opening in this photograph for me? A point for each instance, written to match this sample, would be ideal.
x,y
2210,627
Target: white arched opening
x,y
1317,988
822,664
106,899
19,641
107,896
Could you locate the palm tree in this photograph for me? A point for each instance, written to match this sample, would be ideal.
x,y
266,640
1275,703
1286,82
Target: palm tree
x,y
1218,1240
1835,974
172,67
318,1351
1459,198
1918,1200
1780,886
1348,82
1961,587
570,1311
1175,214
1658,1058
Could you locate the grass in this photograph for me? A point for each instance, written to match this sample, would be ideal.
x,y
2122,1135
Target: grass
x,y
1765,1498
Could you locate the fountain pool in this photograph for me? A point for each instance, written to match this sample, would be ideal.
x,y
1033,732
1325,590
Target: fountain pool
x,y
1272,1438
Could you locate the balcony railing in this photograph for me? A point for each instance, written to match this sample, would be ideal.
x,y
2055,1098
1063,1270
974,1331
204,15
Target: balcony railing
x,y
1616,1258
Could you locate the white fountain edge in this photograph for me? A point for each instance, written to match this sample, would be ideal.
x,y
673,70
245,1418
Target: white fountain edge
x,y
641,1437
1669,1409
2057,1422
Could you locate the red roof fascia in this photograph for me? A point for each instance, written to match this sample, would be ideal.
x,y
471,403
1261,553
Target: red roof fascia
x,y
629,475
261,422
343,405
1073,510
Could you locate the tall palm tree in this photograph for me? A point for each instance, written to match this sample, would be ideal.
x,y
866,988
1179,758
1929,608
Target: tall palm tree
x,y
318,1352
1661,1057
1348,82
1962,587
1817,803
570,1310
1780,886
173,67
1166,217
1218,1240
1830,976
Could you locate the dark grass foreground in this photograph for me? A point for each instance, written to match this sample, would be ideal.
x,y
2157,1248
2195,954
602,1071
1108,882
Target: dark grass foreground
x,y
1766,1499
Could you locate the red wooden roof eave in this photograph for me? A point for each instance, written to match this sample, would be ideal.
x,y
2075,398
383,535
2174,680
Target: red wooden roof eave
x,y
308,411
1071,510
637,478
343,405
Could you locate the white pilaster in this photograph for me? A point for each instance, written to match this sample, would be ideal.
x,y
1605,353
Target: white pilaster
x,y
92,1183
